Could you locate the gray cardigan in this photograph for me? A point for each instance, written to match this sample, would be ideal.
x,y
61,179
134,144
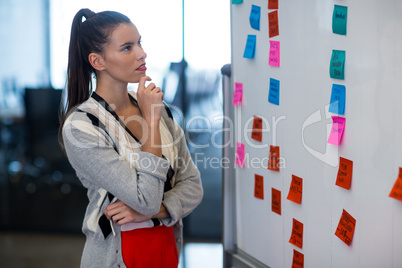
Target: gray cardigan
x,y
94,153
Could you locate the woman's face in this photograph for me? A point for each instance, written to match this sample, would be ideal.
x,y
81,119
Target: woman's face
x,y
124,58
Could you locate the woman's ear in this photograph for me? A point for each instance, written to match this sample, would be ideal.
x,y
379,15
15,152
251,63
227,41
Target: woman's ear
x,y
96,61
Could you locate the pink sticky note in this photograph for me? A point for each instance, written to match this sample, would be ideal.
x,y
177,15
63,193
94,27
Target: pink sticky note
x,y
240,153
338,127
274,53
238,94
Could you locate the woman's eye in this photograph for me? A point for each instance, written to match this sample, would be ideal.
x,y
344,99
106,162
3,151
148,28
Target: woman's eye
x,y
127,48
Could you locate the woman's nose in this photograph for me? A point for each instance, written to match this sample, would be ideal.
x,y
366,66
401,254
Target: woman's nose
x,y
141,53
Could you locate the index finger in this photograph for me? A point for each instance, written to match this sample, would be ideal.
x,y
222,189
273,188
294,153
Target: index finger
x,y
114,205
144,78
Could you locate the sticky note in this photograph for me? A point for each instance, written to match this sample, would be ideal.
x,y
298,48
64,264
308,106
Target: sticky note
x,y
256,133
273,158
338,126
346,228
272,4
344,176
337,102
396,191
274,53
273,23
296,237
296,189
250,47
255,17
276,201
337,65
298,259
258,186
273,95
240,154
237,1
339,19
238,94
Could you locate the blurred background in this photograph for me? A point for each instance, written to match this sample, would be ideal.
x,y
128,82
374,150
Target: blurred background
x,y
42,203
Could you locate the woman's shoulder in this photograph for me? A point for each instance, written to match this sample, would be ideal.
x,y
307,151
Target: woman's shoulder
x,y
81,113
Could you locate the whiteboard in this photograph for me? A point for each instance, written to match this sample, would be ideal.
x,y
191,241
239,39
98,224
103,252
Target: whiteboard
x,y
301,124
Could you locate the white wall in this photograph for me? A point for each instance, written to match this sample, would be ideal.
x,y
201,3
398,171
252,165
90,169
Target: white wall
x,y
372,138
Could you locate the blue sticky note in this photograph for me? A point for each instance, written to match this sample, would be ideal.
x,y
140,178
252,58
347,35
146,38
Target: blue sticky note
x,y
250,47
339,19
273,96
237,1
338,97
336,68
255,17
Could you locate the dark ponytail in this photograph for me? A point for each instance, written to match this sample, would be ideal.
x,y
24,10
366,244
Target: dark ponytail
x,y
88,36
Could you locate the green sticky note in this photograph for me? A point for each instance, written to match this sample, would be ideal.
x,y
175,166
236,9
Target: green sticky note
x,y
339,19
337,65
237,1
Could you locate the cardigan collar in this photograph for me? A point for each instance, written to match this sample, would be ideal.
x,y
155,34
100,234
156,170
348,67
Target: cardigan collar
x,y
108,108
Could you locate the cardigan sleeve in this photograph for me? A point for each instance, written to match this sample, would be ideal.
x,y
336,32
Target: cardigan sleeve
x,y
187,192
98,164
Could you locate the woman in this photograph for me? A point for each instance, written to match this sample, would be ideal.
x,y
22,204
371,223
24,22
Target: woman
x,y
125,148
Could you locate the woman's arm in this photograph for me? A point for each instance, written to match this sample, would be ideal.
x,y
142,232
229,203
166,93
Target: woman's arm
x,y
121,214
149,99
93,156
187,192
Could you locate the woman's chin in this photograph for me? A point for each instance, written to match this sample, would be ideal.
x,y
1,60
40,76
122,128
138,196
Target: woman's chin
x,y
137,78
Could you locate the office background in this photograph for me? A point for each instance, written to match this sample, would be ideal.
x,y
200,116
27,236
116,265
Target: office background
x,y
41,200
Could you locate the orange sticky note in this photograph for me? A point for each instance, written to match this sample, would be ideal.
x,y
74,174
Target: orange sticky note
x,y
273,158
298,259
276,201
344,173
346,228
296,189
256,134
396,191
273,23
297,234
272,4
259,186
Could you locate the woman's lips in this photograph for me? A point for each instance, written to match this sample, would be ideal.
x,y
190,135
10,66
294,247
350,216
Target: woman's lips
x,y
142,68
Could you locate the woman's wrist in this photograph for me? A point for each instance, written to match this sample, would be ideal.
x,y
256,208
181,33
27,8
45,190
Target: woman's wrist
x,y
163,213
152,141
153,124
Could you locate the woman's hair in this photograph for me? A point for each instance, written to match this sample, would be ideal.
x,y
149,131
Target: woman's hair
x,y
88,36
